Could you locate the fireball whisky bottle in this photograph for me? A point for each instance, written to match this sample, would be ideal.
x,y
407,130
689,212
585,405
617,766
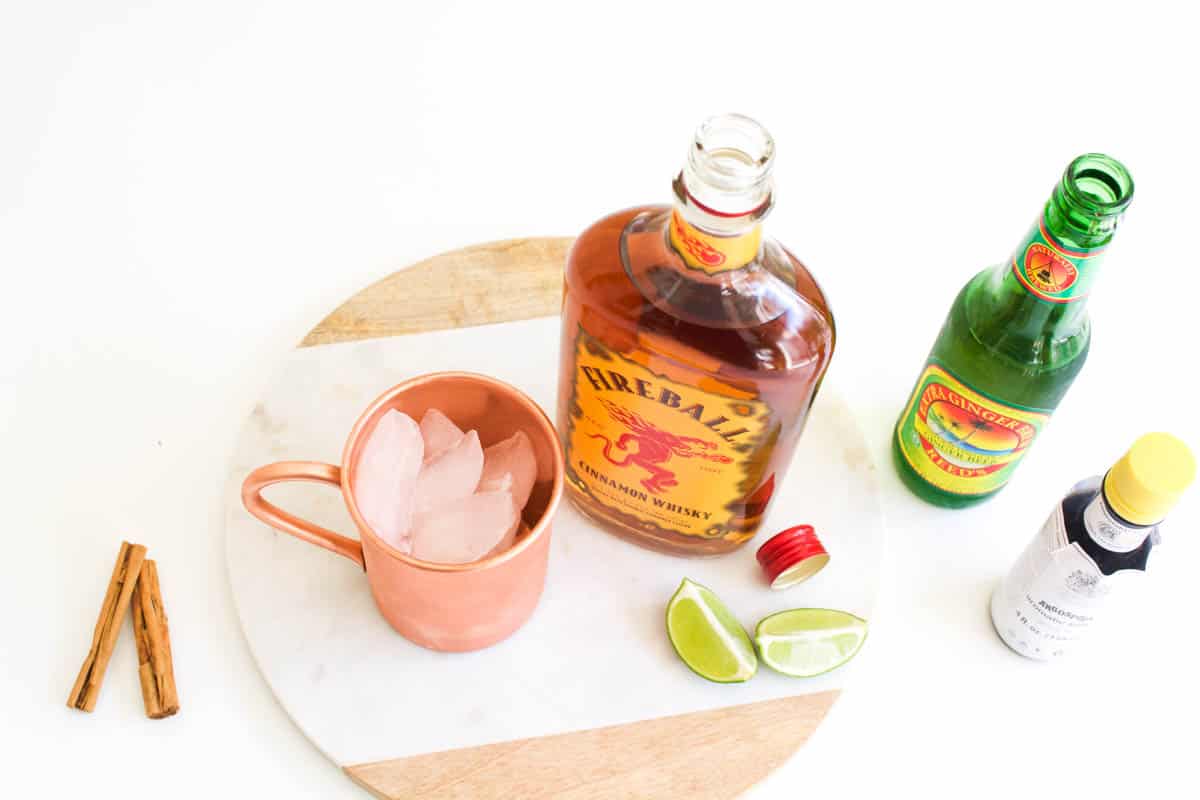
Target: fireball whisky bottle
x,y
692,350
1015,338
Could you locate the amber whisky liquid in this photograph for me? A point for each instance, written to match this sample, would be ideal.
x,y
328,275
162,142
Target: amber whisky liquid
x,y
684,390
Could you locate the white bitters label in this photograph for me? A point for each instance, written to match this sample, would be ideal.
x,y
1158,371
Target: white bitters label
x,y
1053,592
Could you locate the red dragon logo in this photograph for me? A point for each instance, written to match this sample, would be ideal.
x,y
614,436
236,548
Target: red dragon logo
x,y
701,250
654,447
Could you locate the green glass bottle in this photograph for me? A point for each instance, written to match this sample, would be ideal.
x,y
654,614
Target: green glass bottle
x,y
1014,340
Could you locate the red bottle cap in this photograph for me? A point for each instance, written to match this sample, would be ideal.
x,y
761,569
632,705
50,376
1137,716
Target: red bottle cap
x,y
792,556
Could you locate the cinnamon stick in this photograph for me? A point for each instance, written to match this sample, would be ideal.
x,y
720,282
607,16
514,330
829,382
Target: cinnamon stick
x,y
108,626
155,668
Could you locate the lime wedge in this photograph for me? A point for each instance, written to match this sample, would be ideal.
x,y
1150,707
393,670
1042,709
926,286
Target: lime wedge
x,y
805,642
707,637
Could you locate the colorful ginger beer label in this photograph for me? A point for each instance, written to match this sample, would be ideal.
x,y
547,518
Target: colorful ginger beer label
x,y
960,440
1052,271
710,253
672,456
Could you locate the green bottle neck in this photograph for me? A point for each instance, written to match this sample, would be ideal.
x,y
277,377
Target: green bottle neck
x,y
1043,286
1046,280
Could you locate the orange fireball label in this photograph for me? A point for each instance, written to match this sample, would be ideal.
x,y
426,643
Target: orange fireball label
x,y
710,253
960,440
673,457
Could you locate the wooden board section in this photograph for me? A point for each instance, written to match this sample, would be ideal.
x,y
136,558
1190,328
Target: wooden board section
x,y
709,754
494,282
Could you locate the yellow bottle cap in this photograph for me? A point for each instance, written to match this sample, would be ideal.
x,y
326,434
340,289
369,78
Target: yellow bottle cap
x,y
1146,483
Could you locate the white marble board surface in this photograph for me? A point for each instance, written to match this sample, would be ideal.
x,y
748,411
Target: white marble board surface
x,y
595,652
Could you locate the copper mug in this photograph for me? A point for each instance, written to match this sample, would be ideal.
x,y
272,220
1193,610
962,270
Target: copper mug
x,y
450,607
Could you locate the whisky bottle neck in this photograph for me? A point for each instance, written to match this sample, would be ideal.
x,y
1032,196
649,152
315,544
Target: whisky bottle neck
x,y
708,251
722,195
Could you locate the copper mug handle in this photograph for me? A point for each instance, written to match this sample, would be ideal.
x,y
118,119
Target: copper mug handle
x,y
280,520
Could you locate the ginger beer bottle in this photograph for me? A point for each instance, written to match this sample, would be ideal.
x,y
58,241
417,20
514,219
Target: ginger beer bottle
x,y
1014,340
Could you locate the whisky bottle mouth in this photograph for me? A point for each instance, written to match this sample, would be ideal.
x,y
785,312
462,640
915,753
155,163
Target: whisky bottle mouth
x,y
728,170
732,152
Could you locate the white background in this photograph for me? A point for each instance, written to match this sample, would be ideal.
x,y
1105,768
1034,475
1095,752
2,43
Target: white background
x,y
185,189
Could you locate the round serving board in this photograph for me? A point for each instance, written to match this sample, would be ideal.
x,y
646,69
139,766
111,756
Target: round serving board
x,y
532,717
